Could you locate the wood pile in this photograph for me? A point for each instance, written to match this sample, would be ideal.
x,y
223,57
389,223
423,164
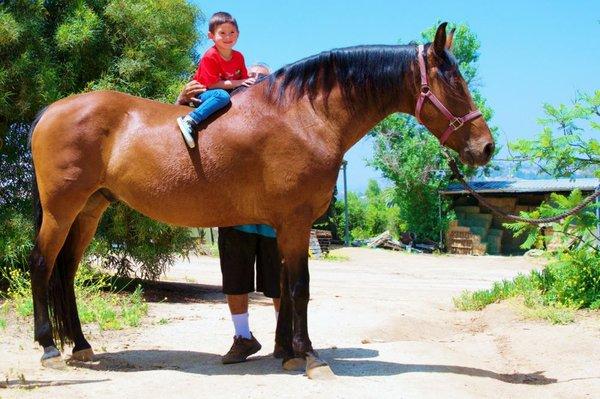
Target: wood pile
x,y
314,249
385,240
324,237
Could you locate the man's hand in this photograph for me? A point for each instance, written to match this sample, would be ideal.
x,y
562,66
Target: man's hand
x,y
189,92
248,82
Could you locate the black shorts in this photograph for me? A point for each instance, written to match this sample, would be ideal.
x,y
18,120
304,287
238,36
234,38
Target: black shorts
x,y
237,251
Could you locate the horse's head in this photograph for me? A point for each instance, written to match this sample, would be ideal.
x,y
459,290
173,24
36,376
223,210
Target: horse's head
x,y
445,105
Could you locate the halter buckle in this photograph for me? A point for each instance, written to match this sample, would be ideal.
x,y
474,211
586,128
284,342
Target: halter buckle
x,y
456,123
425,89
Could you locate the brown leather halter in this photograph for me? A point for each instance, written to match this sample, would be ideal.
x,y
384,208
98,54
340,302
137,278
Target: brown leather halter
x,y
455,121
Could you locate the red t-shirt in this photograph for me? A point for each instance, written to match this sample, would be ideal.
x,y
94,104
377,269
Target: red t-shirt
x,y
213,67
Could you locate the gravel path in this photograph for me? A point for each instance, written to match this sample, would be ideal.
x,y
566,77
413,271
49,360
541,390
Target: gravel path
x,y
383,320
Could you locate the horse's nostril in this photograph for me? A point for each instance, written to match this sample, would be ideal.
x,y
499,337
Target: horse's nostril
x,y
488,150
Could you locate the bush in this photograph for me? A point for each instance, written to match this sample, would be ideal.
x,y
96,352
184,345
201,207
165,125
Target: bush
x,y
573,279
97,303
132,244
371,214
16,231
570,282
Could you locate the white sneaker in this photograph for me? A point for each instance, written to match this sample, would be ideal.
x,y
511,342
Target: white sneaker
x,y
186,131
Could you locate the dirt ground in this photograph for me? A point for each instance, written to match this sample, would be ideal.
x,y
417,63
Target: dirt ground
x,y
384,321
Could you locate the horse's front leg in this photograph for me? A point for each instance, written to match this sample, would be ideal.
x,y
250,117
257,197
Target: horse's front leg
x,y
293,246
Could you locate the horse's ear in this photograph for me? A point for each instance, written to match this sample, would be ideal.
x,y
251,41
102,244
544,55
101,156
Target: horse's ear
x,y
450,39
439,43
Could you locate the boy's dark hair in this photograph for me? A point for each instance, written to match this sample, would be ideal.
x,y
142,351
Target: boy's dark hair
x,y
220,18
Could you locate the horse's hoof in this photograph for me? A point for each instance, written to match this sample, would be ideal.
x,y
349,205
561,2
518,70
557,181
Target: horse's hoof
x,y
294,364
317,369
52,359
84,355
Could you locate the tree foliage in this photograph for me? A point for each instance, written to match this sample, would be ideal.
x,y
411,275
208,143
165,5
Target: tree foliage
x,y
52,49
408,155
369,215
568,143
567,146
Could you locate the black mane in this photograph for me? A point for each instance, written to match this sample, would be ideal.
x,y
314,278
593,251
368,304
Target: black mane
x,y
371,75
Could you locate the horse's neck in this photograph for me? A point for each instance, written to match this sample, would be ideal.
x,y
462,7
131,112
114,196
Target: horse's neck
x,y
350,127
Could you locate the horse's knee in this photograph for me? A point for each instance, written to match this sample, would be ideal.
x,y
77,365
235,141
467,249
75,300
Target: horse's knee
x,y
300,291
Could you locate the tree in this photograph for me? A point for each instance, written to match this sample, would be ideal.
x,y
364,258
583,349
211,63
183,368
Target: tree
x,y
371,214
566,147
52,49
562,148
408,155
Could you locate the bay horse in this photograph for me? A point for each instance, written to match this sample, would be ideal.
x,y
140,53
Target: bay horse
x,y
272,157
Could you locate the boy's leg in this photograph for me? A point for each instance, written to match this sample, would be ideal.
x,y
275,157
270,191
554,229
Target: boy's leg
x,y
237,249
212,101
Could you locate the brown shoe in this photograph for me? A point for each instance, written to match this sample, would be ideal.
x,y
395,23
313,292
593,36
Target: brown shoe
x,y
241,349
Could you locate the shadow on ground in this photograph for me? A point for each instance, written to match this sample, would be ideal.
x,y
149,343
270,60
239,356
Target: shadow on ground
x,y
351,362
34,384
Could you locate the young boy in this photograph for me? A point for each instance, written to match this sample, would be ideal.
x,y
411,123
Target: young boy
x,y
221,69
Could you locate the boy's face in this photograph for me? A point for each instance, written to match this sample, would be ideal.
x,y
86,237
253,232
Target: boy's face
x,y
225,36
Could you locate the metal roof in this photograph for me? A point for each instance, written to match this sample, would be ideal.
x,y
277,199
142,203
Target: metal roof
x,y
525,186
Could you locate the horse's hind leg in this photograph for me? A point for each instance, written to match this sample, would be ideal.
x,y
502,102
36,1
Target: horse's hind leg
x,y
80,235
53,260
49,241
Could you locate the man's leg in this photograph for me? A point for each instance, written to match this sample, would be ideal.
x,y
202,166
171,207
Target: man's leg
x,y
237,249
238,306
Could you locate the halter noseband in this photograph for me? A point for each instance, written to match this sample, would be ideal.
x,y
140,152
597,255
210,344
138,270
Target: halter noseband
x,y
455,121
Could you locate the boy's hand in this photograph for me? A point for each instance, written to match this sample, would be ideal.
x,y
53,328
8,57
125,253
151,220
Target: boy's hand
x,y
248,82
189,92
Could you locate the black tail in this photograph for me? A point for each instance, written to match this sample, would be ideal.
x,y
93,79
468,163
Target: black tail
x,y
35,194
61,299
61,302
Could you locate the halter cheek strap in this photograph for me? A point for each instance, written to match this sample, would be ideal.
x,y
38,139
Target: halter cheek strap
x,y
455,121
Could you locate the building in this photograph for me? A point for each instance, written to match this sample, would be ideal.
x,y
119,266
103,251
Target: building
x,y
477,231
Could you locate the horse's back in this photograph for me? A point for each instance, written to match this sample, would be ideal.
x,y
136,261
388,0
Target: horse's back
x,y
75,139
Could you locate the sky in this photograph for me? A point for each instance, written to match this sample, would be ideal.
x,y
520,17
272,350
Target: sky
x,y
532,52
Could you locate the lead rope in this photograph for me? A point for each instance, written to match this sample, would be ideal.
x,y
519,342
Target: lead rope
x,y
456,174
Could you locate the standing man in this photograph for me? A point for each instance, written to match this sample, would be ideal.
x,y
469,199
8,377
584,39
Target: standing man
x,y
239,248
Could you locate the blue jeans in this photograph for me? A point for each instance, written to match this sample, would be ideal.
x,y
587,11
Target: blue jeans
x,y
212,101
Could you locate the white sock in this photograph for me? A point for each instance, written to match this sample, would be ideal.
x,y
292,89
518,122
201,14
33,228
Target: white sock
x,y
241,325
276,316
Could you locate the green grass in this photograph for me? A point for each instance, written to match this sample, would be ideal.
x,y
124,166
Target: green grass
x,y
208,249
2,323
552,313
97,302
533,304
335,256
477,300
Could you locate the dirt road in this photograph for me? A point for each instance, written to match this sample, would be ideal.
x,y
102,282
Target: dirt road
x,y
384,321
